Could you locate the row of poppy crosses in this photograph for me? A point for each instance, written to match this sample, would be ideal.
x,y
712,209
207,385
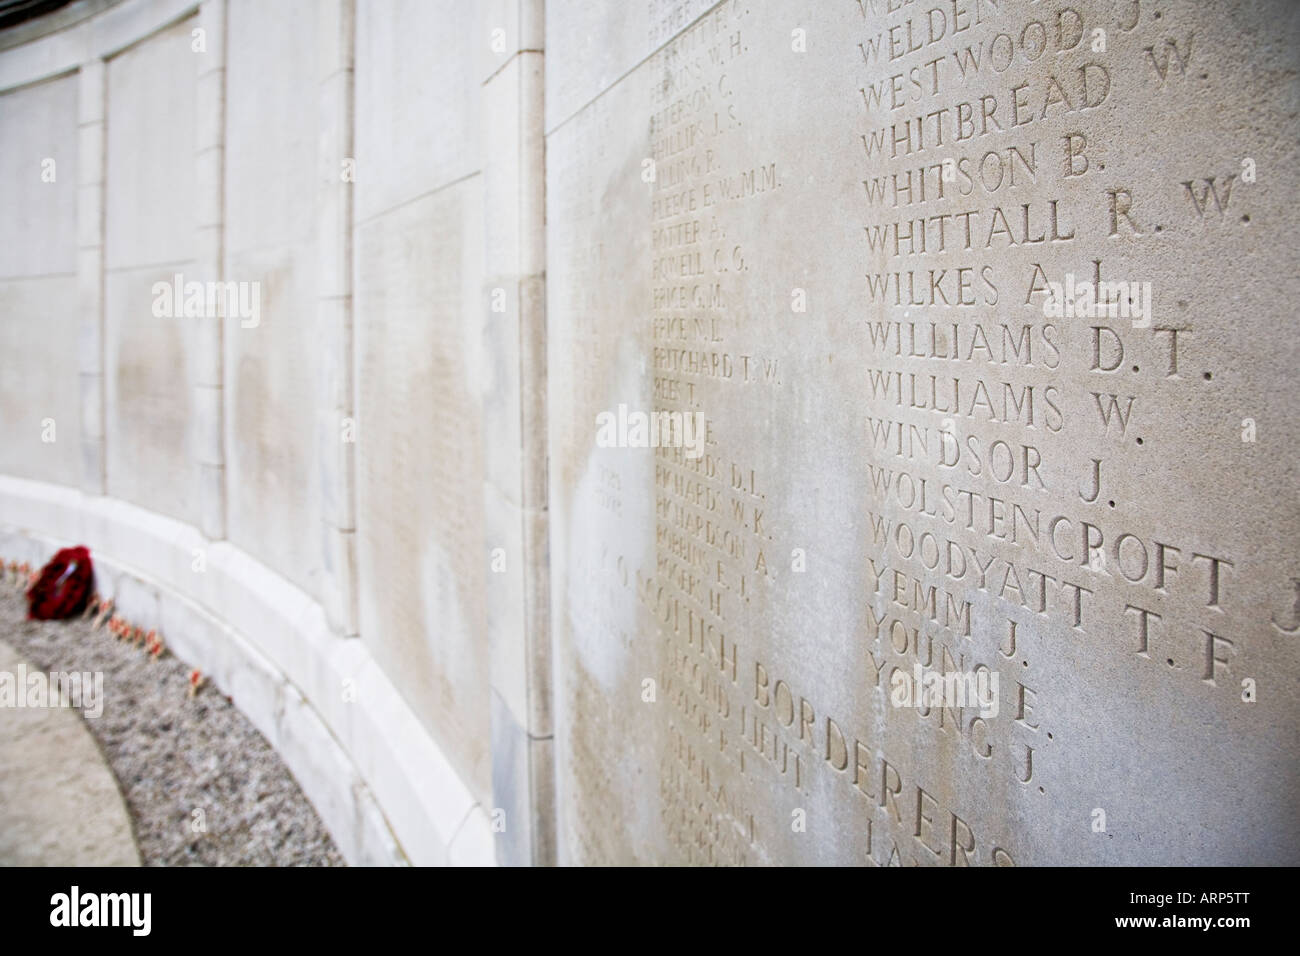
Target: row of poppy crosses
x,y
22,575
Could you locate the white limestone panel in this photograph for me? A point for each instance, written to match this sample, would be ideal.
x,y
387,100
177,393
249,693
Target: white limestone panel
x,y
272,379
421,542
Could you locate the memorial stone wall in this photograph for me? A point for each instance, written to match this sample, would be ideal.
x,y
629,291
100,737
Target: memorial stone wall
x,y
981,307
839,432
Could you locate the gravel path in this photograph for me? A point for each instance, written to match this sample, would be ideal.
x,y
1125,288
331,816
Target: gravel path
x,y
174,755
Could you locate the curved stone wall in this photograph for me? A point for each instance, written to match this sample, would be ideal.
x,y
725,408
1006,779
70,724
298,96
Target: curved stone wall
x,y
404,495
293,486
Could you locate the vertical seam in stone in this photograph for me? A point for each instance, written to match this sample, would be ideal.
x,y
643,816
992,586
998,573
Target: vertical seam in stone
x,y
339,516
94,472
211,264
